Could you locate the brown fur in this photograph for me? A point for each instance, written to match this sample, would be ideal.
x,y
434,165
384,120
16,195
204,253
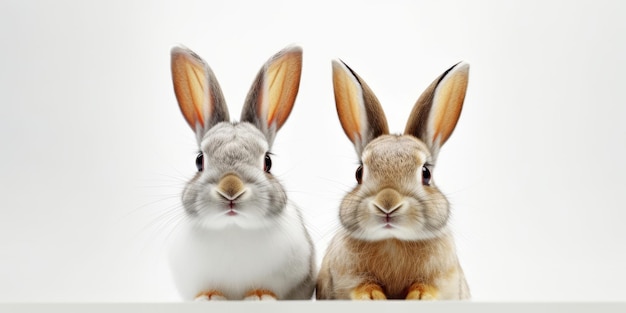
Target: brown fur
x,y
395,242
368,291
396,266
420,291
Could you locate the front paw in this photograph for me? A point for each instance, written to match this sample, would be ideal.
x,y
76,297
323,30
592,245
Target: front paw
x,y
260,295
210,295
419,291
368,292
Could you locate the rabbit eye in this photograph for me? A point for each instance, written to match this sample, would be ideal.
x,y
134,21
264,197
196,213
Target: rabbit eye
x,y
268,163
359,174
200,162
425,176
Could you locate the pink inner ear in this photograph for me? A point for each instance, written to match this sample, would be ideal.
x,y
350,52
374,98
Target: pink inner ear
x,y
347,102
197,75
277,98
190,87
283,81
448,99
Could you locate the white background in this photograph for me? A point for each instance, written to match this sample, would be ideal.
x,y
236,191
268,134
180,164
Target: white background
x,y
94,150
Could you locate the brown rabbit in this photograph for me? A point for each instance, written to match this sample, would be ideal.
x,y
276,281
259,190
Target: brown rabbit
x,y
395,242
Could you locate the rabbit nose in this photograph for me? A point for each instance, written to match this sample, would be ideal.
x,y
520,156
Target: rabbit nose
x,y
230,187
388,200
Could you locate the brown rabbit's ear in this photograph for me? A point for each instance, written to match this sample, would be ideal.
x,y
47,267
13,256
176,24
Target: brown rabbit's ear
x,y
273,93
437,110
360,113
198,93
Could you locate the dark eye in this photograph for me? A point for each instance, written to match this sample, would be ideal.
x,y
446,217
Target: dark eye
x,y
200,162
425,176
359,174
268,163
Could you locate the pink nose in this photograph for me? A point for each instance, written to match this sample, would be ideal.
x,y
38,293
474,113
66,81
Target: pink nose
x,y
388,200
230,187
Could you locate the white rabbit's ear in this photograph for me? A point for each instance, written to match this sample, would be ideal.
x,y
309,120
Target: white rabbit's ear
x,y
273,93
359,111
437,110
198,93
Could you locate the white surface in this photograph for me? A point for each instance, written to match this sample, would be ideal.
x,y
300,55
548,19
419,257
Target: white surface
x,y
95,151
323,306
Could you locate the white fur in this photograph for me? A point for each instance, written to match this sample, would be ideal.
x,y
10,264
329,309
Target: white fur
x,y
235,260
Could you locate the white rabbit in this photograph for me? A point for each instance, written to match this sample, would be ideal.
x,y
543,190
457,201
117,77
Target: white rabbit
x,y
241,238
394,242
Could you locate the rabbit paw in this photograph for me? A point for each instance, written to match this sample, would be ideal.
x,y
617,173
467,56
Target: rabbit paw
x,y
210,295
419,291
368,292
260,295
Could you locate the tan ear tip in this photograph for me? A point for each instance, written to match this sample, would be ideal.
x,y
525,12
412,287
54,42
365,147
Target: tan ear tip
x,y
290,52
177,50
461,67
336,64
295,49
341,66
180,50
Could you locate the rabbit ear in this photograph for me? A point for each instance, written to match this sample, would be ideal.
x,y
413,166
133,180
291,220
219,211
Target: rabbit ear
x,y
437,110
360,113
198,93
273,93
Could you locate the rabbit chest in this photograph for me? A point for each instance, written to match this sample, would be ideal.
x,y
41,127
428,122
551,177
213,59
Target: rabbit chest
x,y
395,265
236,260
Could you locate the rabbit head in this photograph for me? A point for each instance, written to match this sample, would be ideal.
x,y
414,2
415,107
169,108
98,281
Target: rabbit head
x,y
233,185
396,196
